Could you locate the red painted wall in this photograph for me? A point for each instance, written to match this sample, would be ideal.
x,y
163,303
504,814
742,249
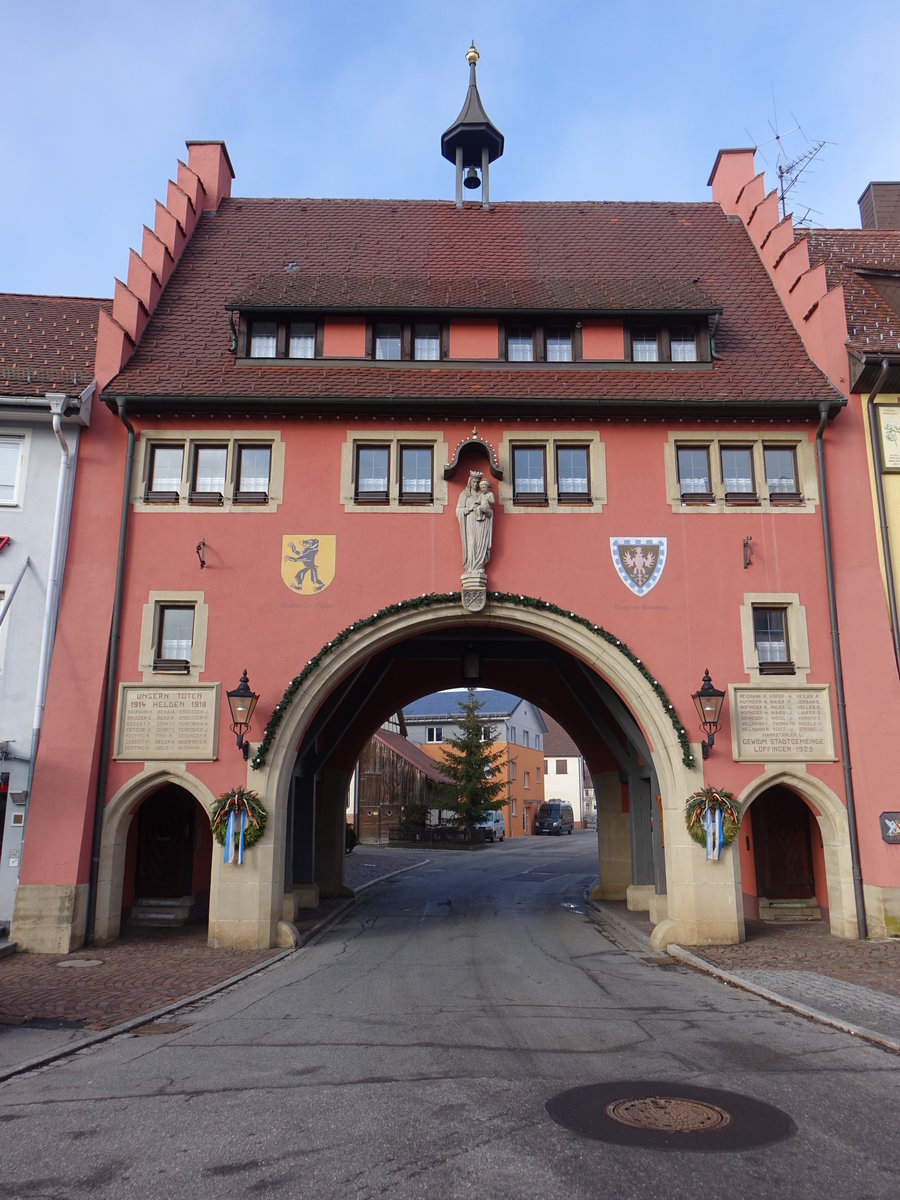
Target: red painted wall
x,y
602,340
476,338
344,337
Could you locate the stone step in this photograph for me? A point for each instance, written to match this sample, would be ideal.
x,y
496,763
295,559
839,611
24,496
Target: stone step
x,y
7,947
150,912
787,911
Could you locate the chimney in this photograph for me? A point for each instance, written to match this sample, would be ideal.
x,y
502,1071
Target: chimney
x,y
879,206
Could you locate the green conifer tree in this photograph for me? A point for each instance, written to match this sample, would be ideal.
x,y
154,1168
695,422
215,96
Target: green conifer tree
x,y
471,763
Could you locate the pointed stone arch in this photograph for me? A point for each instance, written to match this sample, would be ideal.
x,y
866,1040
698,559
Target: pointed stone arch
x,y
245,910
831,818
117,818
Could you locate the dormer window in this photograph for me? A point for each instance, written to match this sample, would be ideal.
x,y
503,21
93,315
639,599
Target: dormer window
x,y
387,342
684,344
427,342
644,346
302,339
263,339
519,344
559,344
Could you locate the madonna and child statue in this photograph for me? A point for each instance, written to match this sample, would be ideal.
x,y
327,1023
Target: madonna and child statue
x,y
475,514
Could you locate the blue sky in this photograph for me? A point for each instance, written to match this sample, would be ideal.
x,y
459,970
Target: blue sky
x,y
596,101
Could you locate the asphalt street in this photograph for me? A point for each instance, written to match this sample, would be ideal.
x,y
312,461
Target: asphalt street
x,y
466,1031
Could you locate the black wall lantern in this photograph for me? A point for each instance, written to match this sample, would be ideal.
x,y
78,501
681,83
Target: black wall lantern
x,y
242,702
708,702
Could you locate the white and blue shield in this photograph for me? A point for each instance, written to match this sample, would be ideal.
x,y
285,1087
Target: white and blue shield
x,y
639,561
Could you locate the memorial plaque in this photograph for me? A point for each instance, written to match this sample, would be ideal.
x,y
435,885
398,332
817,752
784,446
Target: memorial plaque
x,y
889,428
167,722
781,724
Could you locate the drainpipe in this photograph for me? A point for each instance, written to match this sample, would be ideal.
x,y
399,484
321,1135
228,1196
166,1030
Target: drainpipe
x,y
110,697
882,509
861,929
51,600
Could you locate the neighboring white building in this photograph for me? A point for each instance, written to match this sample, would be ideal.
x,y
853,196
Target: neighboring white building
x,y
46,386
565,775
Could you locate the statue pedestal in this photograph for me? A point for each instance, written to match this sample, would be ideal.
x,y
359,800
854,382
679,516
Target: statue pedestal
x,y
474,590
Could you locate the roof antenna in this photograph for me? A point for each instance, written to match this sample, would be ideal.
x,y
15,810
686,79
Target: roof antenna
x,y
788,170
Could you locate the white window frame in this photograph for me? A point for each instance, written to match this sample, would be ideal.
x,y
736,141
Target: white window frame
x,y
18,486
797,637
434,734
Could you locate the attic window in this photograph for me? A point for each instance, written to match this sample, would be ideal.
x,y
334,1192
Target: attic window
x,y
302,339
263,339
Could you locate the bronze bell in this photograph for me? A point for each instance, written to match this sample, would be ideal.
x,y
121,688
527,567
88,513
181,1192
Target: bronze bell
x,y
471,180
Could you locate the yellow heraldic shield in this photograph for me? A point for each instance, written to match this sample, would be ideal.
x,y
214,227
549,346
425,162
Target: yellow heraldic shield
x,y
307,561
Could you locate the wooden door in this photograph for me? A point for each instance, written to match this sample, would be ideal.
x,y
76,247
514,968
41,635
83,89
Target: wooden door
x,y
782,847
165,845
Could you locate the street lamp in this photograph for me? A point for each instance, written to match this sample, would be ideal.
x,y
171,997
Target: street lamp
x,y
708,701
242,702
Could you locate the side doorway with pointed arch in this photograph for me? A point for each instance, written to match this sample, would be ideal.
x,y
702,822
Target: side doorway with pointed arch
x,y
168,858
784,871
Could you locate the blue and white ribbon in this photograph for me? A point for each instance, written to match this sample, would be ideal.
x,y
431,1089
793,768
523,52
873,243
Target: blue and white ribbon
x,y
229,838
241,846
713,834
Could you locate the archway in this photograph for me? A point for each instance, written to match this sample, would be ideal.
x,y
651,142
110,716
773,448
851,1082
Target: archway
x,y
156,845
578,672
794,852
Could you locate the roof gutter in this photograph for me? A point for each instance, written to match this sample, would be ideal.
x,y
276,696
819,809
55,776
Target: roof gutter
x,y
877,466
840,702
110,696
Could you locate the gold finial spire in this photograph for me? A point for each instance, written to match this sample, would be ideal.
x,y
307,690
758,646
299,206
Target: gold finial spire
x,y
472,55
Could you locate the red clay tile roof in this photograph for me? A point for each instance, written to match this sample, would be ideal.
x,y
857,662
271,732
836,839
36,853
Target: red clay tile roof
x,y
856,258
527,255
558,743
413,755
47,343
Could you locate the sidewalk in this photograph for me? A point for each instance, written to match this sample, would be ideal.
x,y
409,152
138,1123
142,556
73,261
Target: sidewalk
x,y
55,1003
850,985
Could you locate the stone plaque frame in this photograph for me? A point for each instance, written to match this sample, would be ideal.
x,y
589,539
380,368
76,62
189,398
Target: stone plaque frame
x,y
154,722
781,724
889,437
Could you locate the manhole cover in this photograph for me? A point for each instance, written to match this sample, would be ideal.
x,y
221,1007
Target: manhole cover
x,y
671,1113
667,1115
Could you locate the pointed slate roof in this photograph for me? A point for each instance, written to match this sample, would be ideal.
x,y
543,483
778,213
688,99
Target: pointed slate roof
x,y
473,128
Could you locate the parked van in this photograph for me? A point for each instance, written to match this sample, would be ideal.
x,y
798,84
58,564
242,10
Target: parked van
x,y
494,825
554,816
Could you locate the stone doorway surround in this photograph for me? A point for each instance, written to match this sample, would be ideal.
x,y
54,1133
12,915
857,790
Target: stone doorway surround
x,y
830,816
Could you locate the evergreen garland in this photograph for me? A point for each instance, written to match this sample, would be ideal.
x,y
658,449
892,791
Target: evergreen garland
x,y
435,598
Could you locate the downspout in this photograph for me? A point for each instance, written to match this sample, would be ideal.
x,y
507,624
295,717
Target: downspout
x,y
877,466
51,598
861,929
110,697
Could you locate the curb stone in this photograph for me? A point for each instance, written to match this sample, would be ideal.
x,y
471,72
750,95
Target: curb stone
x,y
870,1035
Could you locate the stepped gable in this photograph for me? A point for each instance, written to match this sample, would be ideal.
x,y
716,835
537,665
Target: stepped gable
x,y
47,343
862,261
379,255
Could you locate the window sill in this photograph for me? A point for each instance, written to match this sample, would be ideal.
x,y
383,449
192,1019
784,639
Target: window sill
x,y
207,499
531,501
372,498
736,499
697,498
777,668
171,666
162,498
251,497
785,499
574,498
418,498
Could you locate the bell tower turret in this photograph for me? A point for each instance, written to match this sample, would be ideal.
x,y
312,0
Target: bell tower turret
x,y
472,142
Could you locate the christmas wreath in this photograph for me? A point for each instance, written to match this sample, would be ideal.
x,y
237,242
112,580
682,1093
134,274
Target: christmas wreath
x,y
238,820
713,818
